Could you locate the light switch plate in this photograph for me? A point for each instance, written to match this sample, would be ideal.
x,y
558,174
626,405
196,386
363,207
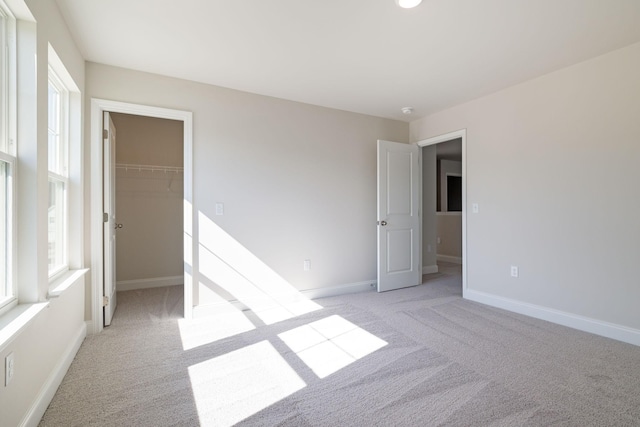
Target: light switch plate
x,y
219,208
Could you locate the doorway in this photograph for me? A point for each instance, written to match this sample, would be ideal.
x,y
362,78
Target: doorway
x,y
444,237
98,107
148,202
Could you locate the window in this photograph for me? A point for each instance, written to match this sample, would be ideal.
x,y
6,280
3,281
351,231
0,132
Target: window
x,y
58,144
7,158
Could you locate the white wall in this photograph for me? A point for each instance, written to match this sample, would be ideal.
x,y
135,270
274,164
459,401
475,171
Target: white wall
x,y
149,204
546,162
297,181
44,348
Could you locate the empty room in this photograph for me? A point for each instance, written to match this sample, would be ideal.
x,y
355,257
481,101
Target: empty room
x,y
329,213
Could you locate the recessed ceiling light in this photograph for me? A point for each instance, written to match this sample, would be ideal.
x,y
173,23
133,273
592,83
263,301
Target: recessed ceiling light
x,y
408,4
406,110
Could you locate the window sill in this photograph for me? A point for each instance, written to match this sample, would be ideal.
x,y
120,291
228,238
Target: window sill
x,y
62,283
13,322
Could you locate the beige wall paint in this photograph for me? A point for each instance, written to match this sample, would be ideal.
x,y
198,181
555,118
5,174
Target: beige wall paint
x,y
545,160
429,224
450,233
149,204
148,140
297,181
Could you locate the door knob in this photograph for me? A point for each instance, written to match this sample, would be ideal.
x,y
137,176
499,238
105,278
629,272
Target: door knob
x,y
382,223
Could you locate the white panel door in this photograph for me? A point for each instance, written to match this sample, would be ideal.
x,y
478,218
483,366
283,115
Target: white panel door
x,y
398,216
109,203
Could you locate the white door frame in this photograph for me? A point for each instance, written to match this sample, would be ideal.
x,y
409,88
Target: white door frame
x,y
98,107
462,133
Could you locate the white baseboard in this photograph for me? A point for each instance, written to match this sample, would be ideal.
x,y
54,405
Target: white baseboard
x,y
429,269
228,306
89,327
586,324
34,415
154,282
448,258
349,288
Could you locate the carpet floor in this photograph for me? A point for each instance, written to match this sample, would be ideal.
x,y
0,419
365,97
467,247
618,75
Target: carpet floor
x,y
420,356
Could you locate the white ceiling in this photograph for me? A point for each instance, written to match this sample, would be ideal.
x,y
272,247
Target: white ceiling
x,y
366,56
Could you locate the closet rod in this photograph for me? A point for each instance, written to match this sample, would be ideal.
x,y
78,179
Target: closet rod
x,y
152,168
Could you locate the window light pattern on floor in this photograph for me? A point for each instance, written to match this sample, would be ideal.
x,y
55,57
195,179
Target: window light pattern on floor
x,y
330,344
229,388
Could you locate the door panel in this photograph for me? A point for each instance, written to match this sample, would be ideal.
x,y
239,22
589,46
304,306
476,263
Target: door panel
x,y
398,216
109,206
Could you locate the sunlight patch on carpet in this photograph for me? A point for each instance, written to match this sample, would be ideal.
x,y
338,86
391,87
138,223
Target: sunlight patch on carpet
x,y
229,388
209,329
330,344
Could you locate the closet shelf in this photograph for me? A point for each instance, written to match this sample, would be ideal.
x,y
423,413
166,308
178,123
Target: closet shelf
x,y
149,168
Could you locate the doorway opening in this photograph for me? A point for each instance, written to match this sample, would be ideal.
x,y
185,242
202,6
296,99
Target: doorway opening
x,y
149,176
444,204
100,186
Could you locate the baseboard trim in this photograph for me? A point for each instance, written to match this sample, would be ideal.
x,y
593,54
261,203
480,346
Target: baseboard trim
x,y
34,415
154,282
582,323
430,269
448,258
89,327
229,306
333,291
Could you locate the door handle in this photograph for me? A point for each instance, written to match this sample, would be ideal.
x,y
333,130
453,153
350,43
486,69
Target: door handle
x,y
118,225
382,223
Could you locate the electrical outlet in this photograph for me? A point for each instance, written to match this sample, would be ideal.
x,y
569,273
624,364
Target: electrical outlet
x,y
307,264
514,271
438,240
8,366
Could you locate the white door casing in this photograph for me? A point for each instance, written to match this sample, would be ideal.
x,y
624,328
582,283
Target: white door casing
x,y
98,107
398,216
109,207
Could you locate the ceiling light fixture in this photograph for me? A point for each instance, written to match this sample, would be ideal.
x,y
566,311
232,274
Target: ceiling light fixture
x,y
408,4
407,110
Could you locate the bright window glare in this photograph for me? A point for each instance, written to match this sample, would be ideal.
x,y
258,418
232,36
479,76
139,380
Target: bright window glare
x,y
330,344
232,387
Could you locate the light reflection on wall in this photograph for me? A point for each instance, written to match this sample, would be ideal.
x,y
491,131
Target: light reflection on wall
x,y
229,265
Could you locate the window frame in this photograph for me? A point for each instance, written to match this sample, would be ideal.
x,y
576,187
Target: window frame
x,y
63,163
8,153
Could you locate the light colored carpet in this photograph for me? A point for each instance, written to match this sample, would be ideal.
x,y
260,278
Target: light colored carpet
x,y
421,356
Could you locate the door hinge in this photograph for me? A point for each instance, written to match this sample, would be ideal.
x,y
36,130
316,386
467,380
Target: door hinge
x,y
105,134
105,217
105,301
